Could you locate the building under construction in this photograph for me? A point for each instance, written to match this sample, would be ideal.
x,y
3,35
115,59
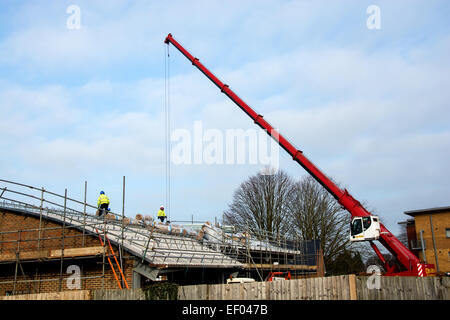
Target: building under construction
x,y
50,242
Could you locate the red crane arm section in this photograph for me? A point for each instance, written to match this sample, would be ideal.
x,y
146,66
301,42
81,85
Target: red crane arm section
x,y
354,207
344,198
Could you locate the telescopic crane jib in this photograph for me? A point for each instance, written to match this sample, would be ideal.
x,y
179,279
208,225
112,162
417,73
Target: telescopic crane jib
x,y
364,225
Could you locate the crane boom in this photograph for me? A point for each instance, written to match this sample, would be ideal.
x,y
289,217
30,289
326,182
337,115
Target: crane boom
x,y
406,258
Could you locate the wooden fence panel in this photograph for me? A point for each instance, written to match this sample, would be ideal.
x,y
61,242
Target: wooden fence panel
x,y
63,295
312,289
264,291
333,292
404,288
118,294
344,288
326,288
360,284
215,292
446,288
235,291
270,291
303,289
317,288
329,288
308,285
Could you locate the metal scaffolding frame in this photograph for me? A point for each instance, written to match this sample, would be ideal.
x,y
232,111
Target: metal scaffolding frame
x,y
22,245
260,253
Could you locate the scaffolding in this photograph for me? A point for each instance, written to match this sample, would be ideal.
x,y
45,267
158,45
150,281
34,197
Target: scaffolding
x,y
154,244
266,252
28,246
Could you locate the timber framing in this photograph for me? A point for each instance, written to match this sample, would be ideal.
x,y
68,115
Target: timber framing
x,y
268,266
52,254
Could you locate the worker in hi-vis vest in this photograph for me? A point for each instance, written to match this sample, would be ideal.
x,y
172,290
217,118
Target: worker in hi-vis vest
x,y
102,203
161,214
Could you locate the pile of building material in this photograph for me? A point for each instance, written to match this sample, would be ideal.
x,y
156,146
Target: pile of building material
x,y
217,235
173,229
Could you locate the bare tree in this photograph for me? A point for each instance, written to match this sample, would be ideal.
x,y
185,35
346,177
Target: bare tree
x,y
403,236
315,214
260,204
277,205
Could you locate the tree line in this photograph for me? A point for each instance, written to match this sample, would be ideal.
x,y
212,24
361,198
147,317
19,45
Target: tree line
x,y
302,209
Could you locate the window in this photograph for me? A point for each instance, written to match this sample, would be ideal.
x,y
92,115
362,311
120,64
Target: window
x,y
447,232
366,222
356,227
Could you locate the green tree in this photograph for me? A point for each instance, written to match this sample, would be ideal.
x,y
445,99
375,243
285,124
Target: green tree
x,y
346,262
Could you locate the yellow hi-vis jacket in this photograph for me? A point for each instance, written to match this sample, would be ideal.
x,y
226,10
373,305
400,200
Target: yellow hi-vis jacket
x,y
161,213
102,199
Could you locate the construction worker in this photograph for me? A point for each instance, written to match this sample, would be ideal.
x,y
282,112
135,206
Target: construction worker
x,y
102,203
161,214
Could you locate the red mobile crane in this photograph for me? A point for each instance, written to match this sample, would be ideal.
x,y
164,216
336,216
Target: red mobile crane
x,y
364,225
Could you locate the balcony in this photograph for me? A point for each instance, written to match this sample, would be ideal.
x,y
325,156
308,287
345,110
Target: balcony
x,y
417,244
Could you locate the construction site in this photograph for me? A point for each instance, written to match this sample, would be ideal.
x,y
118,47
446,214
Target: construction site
x,y
49,242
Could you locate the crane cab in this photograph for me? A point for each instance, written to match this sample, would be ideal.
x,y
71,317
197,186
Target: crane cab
x,y
365,228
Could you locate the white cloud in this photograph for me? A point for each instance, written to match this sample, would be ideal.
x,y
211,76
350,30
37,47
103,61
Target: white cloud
x,y
370,109
34,111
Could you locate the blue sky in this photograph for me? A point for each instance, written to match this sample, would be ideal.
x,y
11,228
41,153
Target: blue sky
x,y
369,107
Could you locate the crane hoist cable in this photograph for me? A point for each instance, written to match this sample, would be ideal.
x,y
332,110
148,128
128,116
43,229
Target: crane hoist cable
x,y
167,206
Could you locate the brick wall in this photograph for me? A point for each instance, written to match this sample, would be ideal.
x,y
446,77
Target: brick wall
x,y
16,226
441,222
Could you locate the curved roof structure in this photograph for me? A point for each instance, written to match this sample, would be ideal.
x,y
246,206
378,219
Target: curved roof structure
x,y
155,248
